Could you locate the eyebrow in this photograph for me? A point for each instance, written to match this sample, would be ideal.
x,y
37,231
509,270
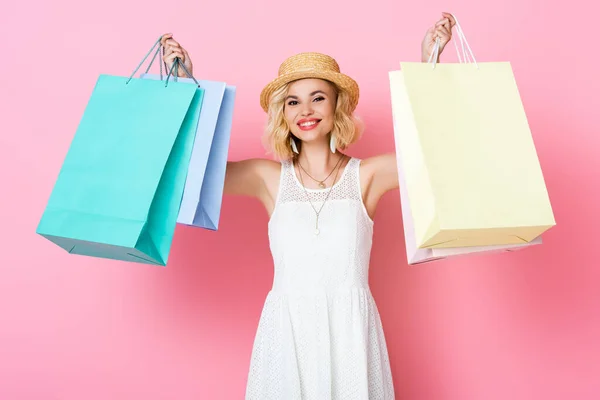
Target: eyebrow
x,y
312,94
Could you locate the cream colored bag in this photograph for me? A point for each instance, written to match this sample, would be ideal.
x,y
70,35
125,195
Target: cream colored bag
x,y
415,255
472,173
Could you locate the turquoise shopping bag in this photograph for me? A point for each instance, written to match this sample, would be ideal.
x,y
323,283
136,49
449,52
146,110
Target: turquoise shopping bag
x,y
119,190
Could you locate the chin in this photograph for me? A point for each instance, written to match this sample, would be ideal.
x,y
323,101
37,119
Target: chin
x,y
309,136
313,134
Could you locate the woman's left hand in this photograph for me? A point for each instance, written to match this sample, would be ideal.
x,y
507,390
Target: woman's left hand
x,y
442,30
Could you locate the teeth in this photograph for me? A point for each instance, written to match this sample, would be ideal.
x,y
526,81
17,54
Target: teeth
x,y
308,123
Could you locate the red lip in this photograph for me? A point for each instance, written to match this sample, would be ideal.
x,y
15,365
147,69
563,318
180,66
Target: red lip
x,y
307,128
307,120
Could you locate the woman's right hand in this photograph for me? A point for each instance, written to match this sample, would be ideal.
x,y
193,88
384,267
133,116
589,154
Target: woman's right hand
x,y
173,50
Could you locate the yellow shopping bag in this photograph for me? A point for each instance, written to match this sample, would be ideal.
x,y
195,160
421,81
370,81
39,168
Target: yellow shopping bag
x,y
469,161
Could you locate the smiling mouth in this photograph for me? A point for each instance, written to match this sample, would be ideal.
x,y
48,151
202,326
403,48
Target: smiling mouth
x,y
309,124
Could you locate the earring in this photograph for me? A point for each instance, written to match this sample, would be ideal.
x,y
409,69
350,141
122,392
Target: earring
x,y
293,144
332,143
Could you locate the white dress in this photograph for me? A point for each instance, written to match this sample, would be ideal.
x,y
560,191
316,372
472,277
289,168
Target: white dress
x,y
320,335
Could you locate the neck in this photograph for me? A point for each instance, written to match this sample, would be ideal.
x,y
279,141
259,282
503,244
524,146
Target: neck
x,y
317,158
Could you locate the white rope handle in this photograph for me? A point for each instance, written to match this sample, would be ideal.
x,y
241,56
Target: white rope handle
x,y
464,42
466,57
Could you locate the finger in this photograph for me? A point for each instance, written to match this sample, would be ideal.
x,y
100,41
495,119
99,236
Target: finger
x,y
177,53
447,25
442,31
450,18
164,38
169,50
171,57
173,50
172,42
443,21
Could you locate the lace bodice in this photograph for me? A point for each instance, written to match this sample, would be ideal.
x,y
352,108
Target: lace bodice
x,y
338,256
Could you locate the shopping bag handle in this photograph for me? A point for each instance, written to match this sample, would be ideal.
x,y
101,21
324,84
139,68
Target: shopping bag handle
x,y
466,57
174,71
174,68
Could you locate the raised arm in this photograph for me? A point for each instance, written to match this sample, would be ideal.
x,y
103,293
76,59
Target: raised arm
x,y
256,178
250,177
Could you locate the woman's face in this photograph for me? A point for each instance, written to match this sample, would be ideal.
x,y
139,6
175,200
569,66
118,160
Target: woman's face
x,y
310,108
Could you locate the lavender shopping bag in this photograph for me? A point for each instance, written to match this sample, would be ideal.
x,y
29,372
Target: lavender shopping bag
x,y
203,193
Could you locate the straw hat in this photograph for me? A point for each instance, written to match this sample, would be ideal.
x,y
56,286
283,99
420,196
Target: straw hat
x,y
311,65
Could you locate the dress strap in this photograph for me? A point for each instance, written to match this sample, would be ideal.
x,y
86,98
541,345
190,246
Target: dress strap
x,y
284,179
354,174
287,169
358,189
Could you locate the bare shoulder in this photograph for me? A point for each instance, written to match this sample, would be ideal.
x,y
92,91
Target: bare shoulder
x,y
270,169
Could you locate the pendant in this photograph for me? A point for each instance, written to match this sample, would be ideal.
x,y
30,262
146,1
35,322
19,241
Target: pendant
x,y
317,232
322,185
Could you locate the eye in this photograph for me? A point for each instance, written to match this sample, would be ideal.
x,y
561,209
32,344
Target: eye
x,y
292,103
319,98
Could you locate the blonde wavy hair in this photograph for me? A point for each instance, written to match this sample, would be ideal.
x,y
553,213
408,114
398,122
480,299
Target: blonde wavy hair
x,y
347,127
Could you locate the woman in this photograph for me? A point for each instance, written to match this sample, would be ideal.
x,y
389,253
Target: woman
x,y
319,335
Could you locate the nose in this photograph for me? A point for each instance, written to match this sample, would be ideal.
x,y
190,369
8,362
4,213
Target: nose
x,y
306,109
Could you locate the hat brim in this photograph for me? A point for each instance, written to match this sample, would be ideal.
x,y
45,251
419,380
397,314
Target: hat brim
x,y
342,81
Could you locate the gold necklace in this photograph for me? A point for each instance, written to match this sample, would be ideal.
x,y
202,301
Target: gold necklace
x,y
322,182
317,231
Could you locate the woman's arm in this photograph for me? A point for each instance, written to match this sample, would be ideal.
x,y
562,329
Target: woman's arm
x,y
258,178
250,177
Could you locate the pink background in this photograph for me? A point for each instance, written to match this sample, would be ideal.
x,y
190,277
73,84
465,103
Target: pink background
x,y
512,326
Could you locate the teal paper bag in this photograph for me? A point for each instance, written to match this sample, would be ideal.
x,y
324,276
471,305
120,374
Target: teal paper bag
x,y
120,187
